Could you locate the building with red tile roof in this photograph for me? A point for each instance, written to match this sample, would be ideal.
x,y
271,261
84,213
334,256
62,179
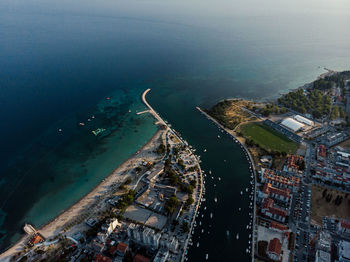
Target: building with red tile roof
x,y
268,209
122,248
293,163
269,176
102,258
36,239
321,152
277,193
139,258
344,226
274,249
278,226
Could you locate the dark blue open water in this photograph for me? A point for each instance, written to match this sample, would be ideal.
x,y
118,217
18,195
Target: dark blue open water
x,y
59,61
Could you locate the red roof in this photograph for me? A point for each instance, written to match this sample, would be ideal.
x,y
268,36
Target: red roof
x,y
278,211
112,250
101,258
321,151
139,258
345,224
275,246
268,202
122,247
268,188
278,226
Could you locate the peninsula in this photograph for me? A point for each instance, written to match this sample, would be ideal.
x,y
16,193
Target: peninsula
x,y
145,210
299,149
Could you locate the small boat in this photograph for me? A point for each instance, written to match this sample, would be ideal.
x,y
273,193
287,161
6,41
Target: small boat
x,y
204,150
219,178
60,130
202,230
81,124
218,136
241,192
227,233
237,236
206,256
239,209
216,200
209,172
197,244
211,215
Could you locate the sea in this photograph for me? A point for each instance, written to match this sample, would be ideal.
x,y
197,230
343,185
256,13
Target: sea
x,y
70,67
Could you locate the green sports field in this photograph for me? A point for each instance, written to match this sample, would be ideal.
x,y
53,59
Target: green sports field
x,y
268,138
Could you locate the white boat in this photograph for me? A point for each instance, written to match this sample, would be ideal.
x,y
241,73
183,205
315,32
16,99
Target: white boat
x,y
216,200
204,150
237,236
209,172
206,256
197,244
219,178
227,232
241,192
218,136
211,215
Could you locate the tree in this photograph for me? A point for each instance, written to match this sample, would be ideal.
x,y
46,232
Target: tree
x,y
171,204
189,200
185,228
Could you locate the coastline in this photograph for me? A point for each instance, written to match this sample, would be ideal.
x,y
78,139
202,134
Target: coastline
x,y
92,202
252,166
56,224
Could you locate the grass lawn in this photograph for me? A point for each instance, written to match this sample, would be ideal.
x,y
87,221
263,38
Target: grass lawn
x,y
320,207
268,138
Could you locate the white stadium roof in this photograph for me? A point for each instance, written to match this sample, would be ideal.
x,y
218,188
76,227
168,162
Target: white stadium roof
x,y
292,124
304,120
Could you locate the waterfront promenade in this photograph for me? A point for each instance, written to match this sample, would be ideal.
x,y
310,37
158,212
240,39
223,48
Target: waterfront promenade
x,y
252,165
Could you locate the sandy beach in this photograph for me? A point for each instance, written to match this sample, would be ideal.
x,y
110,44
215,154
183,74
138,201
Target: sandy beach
x,y
92,202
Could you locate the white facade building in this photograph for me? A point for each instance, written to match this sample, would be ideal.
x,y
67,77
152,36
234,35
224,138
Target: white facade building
x,y
292,124
303,120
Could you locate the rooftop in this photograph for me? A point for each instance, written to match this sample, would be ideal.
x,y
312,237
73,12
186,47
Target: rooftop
x,y
275,246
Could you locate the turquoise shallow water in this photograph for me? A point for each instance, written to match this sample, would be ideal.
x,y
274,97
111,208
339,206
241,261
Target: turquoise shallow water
x,y
60,60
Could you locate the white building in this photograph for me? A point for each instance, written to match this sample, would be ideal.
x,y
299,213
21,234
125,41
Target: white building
x,y
324,241
322,256
161,255
292,124
344,251
303,120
